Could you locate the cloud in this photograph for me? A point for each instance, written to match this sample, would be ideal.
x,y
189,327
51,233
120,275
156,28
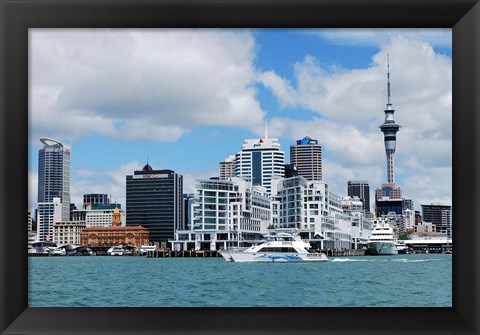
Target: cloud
x,y
347,108
379,37
138,84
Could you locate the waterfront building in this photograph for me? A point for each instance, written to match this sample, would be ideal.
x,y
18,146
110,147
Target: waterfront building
x,y
47,214
98,215
306,155
440,216
67,232
188,200
260,161
227,168
96,198
115,234
226,213
154,201
389,129
360,189
425,227
54,174
325,219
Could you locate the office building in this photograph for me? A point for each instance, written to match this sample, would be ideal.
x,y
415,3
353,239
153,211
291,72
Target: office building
x,y
388,199
54,174
154,201
98,215
360,189
440,216
67,232
47,214
306,155
260,161
227,168
96,198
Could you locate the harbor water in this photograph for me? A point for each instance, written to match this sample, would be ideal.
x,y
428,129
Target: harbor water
x,y
417,280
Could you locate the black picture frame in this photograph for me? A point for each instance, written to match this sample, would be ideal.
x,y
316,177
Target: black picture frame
x,y
16,16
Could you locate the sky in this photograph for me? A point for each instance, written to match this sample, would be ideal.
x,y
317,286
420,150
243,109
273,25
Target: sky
x,y
186,99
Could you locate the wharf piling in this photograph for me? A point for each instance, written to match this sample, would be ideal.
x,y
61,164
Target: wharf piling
x,y
182,253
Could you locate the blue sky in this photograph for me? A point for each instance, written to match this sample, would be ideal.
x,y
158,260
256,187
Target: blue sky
x,y
187,99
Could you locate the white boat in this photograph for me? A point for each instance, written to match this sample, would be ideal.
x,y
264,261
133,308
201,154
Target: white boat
x,y
382,240
276,248
116,251
402,248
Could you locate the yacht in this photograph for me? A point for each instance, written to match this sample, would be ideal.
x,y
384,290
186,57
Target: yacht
x,y
402,248
276,248
382,240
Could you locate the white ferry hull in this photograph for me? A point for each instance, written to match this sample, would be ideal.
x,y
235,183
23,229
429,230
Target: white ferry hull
x,y
382,248
235,256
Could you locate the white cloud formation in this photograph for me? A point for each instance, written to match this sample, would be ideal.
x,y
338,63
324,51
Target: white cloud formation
x,y
139,84
349,105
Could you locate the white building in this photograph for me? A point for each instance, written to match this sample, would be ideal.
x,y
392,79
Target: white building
x,y
408,219
259,161
97,215
227,213
47,214
67,232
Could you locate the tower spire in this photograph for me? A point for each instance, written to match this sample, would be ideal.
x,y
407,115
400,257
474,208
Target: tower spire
x,y
388,80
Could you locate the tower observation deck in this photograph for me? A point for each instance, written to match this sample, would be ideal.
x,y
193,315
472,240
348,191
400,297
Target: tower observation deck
x,y
389,129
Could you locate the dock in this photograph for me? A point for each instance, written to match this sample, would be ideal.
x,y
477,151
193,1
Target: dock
x,y
182,253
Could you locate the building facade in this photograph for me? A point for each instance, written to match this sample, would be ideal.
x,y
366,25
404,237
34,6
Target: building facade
x,y
98,215
440,216
260,161
96,198
54,174
154,201
306,155
226,213
47,214
227,168
360,189
67,232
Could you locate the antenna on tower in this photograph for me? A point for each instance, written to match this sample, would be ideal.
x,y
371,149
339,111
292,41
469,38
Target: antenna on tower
x,y
388,79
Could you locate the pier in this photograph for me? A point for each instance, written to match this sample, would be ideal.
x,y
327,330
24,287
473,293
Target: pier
x,y
182,253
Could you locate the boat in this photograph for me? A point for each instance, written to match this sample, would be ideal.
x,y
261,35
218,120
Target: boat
x,y
382,240
402,248
116,251
281,247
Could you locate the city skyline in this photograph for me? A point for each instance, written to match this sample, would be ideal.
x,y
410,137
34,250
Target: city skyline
x,y
148,105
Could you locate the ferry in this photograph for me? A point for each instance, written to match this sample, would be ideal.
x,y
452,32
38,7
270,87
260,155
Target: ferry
x,y
276,248
382,240
116,251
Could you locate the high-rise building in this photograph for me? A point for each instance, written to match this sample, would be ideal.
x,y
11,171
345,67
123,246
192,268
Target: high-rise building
x,y
154,201
360,189
54,174
259,161
388,199
227,168
306,155
95,198
440,216
47,214
389,129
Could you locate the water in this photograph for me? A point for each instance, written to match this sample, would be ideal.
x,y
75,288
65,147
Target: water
x,y
363,281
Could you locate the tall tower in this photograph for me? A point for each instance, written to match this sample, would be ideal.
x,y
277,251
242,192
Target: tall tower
x,y
54,174
389,129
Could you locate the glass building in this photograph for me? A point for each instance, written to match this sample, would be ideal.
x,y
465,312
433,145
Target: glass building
x,y
54,174
154,201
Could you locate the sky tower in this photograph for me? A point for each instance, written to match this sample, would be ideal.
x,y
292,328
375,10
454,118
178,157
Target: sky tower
x,y
389,129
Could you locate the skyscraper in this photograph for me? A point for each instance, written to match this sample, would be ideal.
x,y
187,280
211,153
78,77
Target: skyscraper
x,y
306,155
259,161
360,189
154,201
389,129
54,174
